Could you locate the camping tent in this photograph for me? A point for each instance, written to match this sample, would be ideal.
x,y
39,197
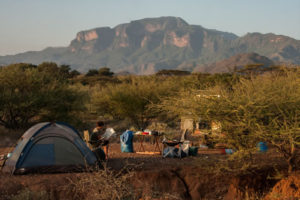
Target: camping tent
x,y
50,147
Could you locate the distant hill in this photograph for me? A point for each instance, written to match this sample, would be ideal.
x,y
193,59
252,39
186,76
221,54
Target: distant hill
x,y
235,62
148,45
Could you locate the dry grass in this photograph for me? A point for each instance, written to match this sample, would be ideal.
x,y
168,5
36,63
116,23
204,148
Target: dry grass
x,y
103,184
27,194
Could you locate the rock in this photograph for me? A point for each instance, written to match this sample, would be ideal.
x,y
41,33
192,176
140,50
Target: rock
x,y
286,189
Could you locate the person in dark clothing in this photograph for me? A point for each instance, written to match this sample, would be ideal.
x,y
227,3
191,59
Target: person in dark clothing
x,y
97,138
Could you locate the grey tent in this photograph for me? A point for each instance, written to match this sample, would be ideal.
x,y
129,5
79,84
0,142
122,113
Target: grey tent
x,y
50,147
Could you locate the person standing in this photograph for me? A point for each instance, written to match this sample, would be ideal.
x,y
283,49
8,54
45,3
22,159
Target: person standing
x,y
97,138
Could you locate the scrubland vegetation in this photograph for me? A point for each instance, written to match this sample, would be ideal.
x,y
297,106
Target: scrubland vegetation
x,y
251,105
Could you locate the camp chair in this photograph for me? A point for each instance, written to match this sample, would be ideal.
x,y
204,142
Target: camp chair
x,y
170,150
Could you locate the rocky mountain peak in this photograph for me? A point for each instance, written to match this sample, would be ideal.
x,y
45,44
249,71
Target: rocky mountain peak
x,y
148,45
136,34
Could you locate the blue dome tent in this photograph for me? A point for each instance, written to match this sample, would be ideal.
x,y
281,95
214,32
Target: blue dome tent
x,y
50,147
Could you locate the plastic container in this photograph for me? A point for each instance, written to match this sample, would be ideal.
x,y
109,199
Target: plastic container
x,y
262,147
193,151
229,151
126,148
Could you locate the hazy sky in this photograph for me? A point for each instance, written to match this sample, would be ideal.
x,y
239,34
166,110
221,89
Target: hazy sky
x,y
35,24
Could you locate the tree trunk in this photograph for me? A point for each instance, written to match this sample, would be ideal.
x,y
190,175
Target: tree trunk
x,y
292,164
292,161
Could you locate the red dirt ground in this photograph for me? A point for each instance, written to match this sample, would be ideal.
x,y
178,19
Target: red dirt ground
x,y
288,188
186,178
148,168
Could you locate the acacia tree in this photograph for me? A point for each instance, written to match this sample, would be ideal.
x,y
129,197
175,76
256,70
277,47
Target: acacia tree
x,y
131,99
259,108
92,72
29,94
105,71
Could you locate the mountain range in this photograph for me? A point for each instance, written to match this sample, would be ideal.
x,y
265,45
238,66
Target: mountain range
x,y
148,45
235,62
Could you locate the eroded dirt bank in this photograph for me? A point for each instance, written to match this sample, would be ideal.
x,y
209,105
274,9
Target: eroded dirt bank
x,y
196,183
287,188
169,183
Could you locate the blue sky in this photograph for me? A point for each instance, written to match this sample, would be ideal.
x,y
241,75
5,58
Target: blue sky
x,y
27,25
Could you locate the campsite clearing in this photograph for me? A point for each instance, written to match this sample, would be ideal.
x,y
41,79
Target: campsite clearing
x,y
151,175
